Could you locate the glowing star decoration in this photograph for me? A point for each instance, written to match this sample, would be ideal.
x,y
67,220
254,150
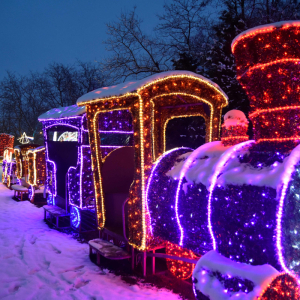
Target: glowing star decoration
x,y
24,139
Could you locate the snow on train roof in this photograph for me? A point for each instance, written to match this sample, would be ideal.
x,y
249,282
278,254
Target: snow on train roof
x,y
234,172
62,112
262,28
133,86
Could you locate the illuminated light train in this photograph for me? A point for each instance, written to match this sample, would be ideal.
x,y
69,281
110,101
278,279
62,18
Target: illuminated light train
x,y
69,178
68,183
242,199
239,198
36,173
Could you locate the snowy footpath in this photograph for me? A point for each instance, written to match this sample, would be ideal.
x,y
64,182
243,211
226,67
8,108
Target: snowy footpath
x,y
37,262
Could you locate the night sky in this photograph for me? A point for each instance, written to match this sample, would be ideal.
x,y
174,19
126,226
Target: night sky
x,y
34,33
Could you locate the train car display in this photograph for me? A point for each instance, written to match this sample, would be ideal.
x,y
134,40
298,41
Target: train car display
x,y
143,110
237,196
69,182
6,140
36,173
20,152
8,167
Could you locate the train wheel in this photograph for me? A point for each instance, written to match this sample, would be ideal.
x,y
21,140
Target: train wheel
x,y
75,216
8,182
180,269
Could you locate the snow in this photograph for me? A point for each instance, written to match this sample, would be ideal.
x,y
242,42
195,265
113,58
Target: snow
x,y
235,173
133,86
62,112
204,163
261,276
254,30
40,263
235,117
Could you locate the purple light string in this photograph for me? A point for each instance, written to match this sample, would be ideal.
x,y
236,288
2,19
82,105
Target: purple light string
x,y
116,131
225,157
150,180
183,171
292,160
58,119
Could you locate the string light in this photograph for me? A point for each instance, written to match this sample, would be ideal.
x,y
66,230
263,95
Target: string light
x,y
36,166
180,269
283,287
6,140
267,61
142,104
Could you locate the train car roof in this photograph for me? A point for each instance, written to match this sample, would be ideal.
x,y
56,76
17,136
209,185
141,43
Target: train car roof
x,y
133,86
62,112
36,149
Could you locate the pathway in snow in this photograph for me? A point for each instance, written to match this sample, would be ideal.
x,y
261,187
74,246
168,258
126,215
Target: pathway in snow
x,y
37,262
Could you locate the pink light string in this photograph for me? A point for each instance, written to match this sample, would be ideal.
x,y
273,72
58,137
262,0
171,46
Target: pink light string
x,y
292,160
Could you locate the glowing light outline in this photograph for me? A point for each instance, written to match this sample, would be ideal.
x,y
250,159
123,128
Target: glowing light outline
x,y
156,163
183,171
224,158
99,161
267,28
262,66
75,210
289,168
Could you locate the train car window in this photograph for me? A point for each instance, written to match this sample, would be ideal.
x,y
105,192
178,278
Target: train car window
x,y
185,132
62,136
116,139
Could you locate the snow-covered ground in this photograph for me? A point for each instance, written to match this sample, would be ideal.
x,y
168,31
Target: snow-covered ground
x,y
37,262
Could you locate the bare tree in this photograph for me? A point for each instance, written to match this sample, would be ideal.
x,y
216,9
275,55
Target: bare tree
x,y
24,98
134,54
181,22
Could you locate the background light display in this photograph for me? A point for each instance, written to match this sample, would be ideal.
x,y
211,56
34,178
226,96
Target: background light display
x,y
6,140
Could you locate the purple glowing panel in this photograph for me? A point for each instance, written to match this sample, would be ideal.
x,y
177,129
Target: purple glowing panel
x,y
160,194
80,179
183,171
74,186
51,177
75,122
120,120
87,183
218,170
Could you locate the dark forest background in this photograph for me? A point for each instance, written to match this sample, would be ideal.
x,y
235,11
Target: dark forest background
x,y
192,35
